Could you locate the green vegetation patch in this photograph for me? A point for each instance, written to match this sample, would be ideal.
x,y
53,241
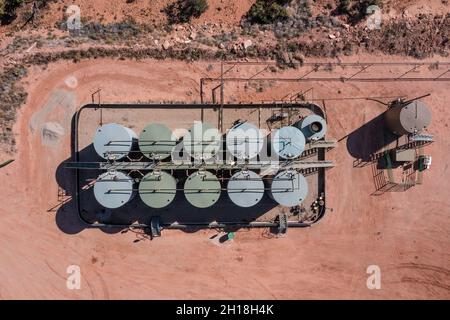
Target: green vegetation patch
x,y
268,11
8,10
183,11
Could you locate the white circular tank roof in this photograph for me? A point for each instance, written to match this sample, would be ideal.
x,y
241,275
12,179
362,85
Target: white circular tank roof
x,y
314,127
203,141
245,188
114,141
288,142
289,188
113,189
244,141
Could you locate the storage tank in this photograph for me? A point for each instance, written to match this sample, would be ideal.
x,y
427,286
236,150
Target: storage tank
x,y
244,141
288,142
113,189
157,189
113,141
157,141
289,188
245,188
202,189
313,127
202,141
403,119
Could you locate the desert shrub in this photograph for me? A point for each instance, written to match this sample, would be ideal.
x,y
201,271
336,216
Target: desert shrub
x,y
356,10
8,10
267,11
12,96
183,11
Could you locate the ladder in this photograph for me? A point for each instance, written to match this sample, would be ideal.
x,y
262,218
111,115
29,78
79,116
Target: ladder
x,y
155,227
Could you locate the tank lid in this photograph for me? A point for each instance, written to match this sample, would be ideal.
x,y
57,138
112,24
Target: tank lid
x,y
415,117
289,188
113,189
245,188
244,140
203,141
314,127
157,141
113,141
157,189
288,142
202,189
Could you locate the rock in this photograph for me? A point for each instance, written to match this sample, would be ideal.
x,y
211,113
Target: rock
x,y
299,57
51,132
290,11
247,43
166,45
285,58
221,46
332,36
193,35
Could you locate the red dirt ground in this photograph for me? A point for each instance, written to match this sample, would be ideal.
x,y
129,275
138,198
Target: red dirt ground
x,y
225,12
406,234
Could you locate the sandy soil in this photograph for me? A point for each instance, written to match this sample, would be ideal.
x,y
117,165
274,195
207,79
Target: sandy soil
x,y
406,234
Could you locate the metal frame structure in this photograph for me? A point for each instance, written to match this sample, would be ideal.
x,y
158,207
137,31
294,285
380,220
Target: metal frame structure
x,y
155,226
315,67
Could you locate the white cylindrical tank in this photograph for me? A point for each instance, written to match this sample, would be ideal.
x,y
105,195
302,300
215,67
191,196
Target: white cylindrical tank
x,y
202,141
314,127
288,142
244,141
245,188
113,141
289,188
113,189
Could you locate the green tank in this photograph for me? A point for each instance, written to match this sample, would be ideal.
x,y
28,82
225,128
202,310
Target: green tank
x,y
202,141
157,141
157,189
202,189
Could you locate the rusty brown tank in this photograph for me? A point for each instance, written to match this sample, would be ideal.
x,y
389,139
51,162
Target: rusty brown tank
x,y
408,118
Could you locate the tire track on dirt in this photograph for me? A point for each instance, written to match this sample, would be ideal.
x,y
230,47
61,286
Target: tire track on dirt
x,y
430,275
419,266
